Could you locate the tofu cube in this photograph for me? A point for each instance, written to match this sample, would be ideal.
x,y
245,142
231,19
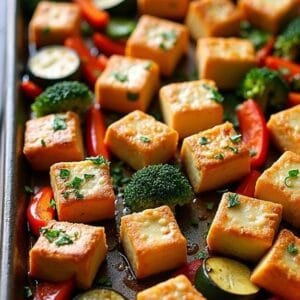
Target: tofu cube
x,y
215,157
176,288
53,22
173,9
269,15
140,140
127,84
83,191
152,241
244,227
213,18
53,138
216,56
189,107
160,40
279,271
67,250
284,128
281,184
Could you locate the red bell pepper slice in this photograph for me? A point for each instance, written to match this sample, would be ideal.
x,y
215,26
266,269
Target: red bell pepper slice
x,y
30,89
39,211
95,131
107,45
254,131
247,186
90,65
294,99
54,290
189,270
262,54
287,68
96,17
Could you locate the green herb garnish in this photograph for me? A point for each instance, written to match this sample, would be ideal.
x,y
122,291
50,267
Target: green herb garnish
x,y
210,205
168,40
28,189
234,149
292,249
64,173
59,123
76,182
148,65
292,174
203,140
88,176
202,255
66,195
213,94
43,143
120,77
28,292
236,138
219,156
133,96
145,139
64,239
78,195
104,281
60,237
233,200
98,160
252,152
46,30
52,203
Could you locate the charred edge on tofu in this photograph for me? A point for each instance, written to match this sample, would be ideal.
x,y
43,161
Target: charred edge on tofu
x,y
59,236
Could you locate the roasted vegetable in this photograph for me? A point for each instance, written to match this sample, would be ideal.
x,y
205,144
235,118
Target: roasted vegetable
x,y
120,28
266,87
100,294
287,44
157,185
63,96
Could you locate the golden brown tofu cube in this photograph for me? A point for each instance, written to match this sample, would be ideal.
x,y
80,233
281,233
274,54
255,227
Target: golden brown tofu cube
x,y
65,250
213,18
173,9
224,60
127,84
215,157
284,128
159,40
177,288
244,227
152,241
190,107
269,15
281,184
140,140
279,271
83,191
53,138
53,22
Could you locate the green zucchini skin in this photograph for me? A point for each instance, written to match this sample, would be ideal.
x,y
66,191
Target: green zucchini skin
x,y
120,28
211,290
119,7
99,294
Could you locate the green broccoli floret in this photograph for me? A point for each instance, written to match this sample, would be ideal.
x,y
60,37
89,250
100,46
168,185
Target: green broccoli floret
x,y
157,185
266,87
61,97
287,44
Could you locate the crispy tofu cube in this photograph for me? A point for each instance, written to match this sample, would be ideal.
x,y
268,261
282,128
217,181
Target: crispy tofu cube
x,y
53,138
127,84
269,15
213,18
140,140
152,241
215,157
67,250
159,40
189,107
284,127
176,288
53,22
244,227
279,271
83,191
173,9
278,184
216,56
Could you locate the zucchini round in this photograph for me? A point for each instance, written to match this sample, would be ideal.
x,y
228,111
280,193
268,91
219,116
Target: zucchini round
x,y
100,294
120,28
224,278
54,63
117,7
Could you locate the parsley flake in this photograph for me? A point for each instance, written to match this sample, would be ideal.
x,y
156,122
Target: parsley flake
x,y
28,292
133,96
292,174
292,249
76,182
234,149
64,173
210,205
148,65
120,77
88,176
233,200
60,237
219,156
78,195
203,141
59,123
98,160
145,139
202,255
43,143
252,152
213,94
52,203
236,138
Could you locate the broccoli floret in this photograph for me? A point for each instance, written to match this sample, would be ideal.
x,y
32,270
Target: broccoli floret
x,y
266,87
63,96
157,185
287,44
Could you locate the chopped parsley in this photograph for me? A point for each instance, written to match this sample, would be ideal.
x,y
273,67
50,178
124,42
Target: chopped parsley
x,y
59,123
292,174
234,149
28,189
66,194
292,249
78,195
43,143
169,39
148,65
202,255
60,237
120,77
98,160
88,176
52,203
236,138
145,139
76,182
46,30
210,205
219,156
64,173
203,140
28,292
252,152
213,94
233,200
133,96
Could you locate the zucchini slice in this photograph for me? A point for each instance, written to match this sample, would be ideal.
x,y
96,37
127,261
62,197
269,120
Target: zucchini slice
x,y
224,278
120,28
52,64
117,7
100,294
